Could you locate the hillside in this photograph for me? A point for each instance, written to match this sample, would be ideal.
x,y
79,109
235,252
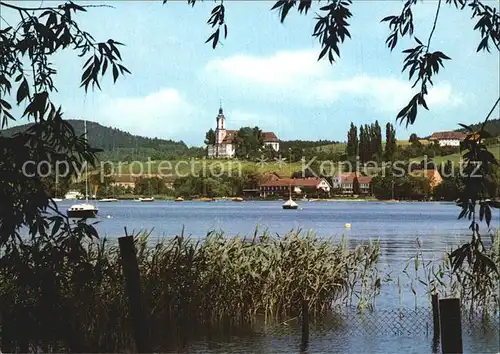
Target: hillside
x,y
340,148
304,144
456,157
492,127
120,145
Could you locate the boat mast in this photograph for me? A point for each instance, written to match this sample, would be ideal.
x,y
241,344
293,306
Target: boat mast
x,y
290,172
86,170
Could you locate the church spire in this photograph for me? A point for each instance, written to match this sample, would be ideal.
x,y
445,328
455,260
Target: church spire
x,y
220,118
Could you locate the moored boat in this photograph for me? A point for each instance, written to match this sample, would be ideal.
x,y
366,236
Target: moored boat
x,y
108,200
204,199
179,199
83,210
290,204
152,199
237,199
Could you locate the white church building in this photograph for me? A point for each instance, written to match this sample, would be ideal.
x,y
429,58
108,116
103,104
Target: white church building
x,y
224,139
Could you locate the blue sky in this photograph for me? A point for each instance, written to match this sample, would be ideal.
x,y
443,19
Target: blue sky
x,y
266,72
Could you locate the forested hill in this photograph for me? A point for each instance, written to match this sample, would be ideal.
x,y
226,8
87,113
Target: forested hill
x,y
119,145
492,127
304,144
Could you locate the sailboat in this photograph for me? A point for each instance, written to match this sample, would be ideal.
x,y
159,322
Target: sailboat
x,y
84,210
290,204
149,199
55,199
108,200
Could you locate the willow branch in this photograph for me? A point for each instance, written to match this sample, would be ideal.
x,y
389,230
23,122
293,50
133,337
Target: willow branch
x,y
434,25
491,112
22,8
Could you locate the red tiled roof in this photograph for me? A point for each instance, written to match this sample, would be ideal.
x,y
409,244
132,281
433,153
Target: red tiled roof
x,y
270,176
296,182
230,135
269,137
349,178
447,136
364,179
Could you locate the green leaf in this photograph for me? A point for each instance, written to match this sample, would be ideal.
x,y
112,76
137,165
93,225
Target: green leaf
x,y
115,72
487,214
22,91
466,127
441,55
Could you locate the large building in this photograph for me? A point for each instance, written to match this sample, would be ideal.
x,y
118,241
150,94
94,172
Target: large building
x,y
298,186
224,146
432,175
447,138
344,183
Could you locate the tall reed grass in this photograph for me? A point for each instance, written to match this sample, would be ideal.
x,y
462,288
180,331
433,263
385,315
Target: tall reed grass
x,y
66,294
58,295
478,291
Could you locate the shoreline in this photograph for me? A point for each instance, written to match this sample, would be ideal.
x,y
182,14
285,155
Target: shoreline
x,y
312,200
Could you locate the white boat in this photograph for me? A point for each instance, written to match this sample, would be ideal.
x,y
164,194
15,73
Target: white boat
x,y
152,199
108,200
57,199
73,195
290,204
83,210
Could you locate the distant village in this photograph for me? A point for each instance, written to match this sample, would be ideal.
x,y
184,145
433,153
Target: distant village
x,y
277,184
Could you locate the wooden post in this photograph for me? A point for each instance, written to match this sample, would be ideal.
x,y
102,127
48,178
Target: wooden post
x,y
133,290
435,315
305,322
451,325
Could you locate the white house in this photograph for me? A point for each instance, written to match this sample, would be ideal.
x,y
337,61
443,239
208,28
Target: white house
x,y
344,182
299,185
224,139
449,138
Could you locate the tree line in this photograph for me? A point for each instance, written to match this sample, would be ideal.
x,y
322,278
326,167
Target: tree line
x,y
368,145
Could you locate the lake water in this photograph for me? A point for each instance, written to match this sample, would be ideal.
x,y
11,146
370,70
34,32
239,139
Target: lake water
x,y
395,225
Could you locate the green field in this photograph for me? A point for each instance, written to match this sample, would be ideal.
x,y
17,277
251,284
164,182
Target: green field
x,y
202,167
333,148
455,158
341,147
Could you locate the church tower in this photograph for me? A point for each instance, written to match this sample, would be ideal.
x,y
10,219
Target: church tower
x,y
221,120
220,131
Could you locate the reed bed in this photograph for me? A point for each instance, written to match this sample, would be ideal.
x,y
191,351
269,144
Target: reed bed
x,y
62,293
478,291
69,295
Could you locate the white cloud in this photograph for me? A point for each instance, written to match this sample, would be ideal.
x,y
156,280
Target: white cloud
x,y
164,114
299,76
387,94
239,118
283,68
